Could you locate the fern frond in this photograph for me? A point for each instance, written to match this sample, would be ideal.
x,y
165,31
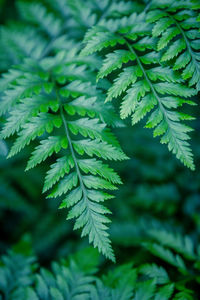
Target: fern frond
x,y
55,111
144,89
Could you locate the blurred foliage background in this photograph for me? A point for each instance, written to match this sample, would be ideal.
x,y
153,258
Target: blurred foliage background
x,y
158,193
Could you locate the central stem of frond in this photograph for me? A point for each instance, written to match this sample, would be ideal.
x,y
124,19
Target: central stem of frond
x,y
71,148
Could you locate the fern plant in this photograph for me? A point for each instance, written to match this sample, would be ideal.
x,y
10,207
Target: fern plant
x,y
50,94
51,108
55,98
143,78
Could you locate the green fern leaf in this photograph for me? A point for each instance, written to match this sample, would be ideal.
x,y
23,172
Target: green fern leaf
x,y
56,115
128,76
114,61
98,148
57,171
45,149
94,167
36,127
100,41
158,82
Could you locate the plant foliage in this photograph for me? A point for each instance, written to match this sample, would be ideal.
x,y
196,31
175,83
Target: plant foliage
x,y
54,98
63,63
147,80
74,279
